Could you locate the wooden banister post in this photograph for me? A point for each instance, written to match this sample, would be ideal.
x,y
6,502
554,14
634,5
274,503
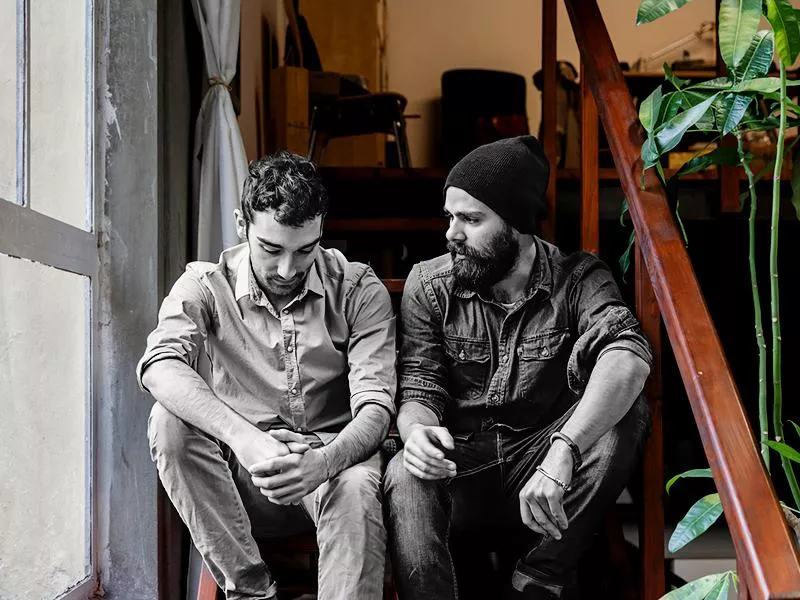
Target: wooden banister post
x,y
651,528
728,175
590,171
549,112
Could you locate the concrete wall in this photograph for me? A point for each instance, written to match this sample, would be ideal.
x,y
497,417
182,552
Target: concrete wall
x,y
128,178
427,38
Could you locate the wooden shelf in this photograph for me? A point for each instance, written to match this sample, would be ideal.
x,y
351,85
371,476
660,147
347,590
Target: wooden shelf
x,y
712,174
388,224
373,173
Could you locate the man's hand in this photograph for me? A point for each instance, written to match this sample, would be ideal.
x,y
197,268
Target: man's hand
x,y
258,446
423,453
287,479
541,501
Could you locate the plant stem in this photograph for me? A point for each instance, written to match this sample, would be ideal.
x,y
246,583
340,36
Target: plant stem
x,y
777,389
763,416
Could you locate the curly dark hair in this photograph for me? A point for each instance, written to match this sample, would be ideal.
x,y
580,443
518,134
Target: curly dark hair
x,y
287,183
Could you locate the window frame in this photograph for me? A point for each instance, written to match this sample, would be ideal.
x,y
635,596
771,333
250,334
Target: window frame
x,y
28,234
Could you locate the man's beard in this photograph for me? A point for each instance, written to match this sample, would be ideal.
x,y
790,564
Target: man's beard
x,y
478,270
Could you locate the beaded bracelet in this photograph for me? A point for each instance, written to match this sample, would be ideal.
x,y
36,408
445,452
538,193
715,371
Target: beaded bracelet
x,y
557,481
577,460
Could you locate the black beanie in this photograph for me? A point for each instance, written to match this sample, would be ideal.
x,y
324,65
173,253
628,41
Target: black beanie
x,y
509,176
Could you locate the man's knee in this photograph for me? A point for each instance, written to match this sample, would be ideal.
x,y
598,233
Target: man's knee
x,y
398,479
167,434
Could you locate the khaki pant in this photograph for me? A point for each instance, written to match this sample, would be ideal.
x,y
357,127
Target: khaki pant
x,y
225,512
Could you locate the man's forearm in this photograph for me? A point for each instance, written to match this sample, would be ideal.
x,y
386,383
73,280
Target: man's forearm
x,y
412,414
616,381
358,440
179,388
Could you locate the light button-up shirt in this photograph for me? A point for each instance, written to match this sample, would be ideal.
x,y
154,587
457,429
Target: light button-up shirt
x,y
310,366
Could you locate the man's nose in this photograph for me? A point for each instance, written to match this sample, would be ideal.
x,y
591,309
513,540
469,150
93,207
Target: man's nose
x,y
454,232
286,268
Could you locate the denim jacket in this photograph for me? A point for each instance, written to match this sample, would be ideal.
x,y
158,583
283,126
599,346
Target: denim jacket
x,y
478,364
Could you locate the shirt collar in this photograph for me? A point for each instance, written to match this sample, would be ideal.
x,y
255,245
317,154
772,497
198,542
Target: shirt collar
x,y
541,277
246,283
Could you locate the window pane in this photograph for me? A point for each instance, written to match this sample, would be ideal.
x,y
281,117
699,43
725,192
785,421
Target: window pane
x,y
8,100
44,349
58,102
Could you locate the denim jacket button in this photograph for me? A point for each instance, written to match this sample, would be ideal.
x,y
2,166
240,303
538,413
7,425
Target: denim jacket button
x,y
545,352
462,355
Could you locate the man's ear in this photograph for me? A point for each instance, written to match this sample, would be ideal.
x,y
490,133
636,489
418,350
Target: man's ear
x,y
241,224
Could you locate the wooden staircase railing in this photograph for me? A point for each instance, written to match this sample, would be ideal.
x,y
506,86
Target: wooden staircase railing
x,y
667,288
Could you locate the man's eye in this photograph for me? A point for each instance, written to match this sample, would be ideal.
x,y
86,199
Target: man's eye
x,y
309,251
268,251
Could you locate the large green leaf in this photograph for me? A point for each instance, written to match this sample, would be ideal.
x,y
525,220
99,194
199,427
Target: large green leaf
x,y
764,85
690,472
690,97
649,109
781,15
700,517
674,79
668,135
738,23
718,83
650,10
734,107
720,156
625,259
670,105
757,60
720,591
699,589
784,450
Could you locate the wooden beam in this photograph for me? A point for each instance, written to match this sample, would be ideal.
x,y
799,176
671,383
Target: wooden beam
x,y
549,112
590,171
764,545
651,528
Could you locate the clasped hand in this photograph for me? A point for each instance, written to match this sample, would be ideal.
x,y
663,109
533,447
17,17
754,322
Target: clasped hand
x,y
286,468
541,501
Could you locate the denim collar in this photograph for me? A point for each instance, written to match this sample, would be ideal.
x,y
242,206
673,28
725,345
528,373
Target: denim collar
x,y
541,277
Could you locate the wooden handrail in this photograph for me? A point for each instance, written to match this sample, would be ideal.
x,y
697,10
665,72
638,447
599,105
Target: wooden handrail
x,y
764,546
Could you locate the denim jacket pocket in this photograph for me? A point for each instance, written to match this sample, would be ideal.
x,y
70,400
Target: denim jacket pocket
x,y
469,365
542,362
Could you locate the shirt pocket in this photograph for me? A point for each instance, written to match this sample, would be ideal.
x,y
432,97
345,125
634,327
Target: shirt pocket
x,y
542,363
469,363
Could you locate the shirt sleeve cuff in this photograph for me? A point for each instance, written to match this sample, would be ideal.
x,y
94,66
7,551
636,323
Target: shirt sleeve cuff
x,y
359,399
150,358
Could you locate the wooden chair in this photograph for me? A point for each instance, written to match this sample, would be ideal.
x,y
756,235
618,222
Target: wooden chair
x,y
359,115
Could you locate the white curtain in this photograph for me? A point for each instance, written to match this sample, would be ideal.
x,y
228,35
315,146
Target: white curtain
x,y
220,163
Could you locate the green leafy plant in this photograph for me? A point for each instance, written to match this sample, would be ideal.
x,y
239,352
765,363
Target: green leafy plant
x,y
746,100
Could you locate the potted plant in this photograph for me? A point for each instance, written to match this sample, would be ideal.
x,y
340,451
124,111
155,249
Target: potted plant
x,y
747,100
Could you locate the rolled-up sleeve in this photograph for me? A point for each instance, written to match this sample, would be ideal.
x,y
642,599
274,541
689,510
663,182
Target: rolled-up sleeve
x,y
603,323
183,323
423,371
372,351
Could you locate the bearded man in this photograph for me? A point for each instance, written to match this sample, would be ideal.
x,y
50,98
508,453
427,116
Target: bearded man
x,y
520,374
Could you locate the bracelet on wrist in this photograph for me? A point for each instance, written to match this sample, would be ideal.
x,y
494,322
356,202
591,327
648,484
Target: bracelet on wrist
x,y
577,459
564,486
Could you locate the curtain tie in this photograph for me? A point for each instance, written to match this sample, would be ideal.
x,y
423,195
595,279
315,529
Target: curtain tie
x,y
212,81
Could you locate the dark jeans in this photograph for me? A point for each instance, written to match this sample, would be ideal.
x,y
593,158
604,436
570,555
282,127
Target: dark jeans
x,y
427,520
